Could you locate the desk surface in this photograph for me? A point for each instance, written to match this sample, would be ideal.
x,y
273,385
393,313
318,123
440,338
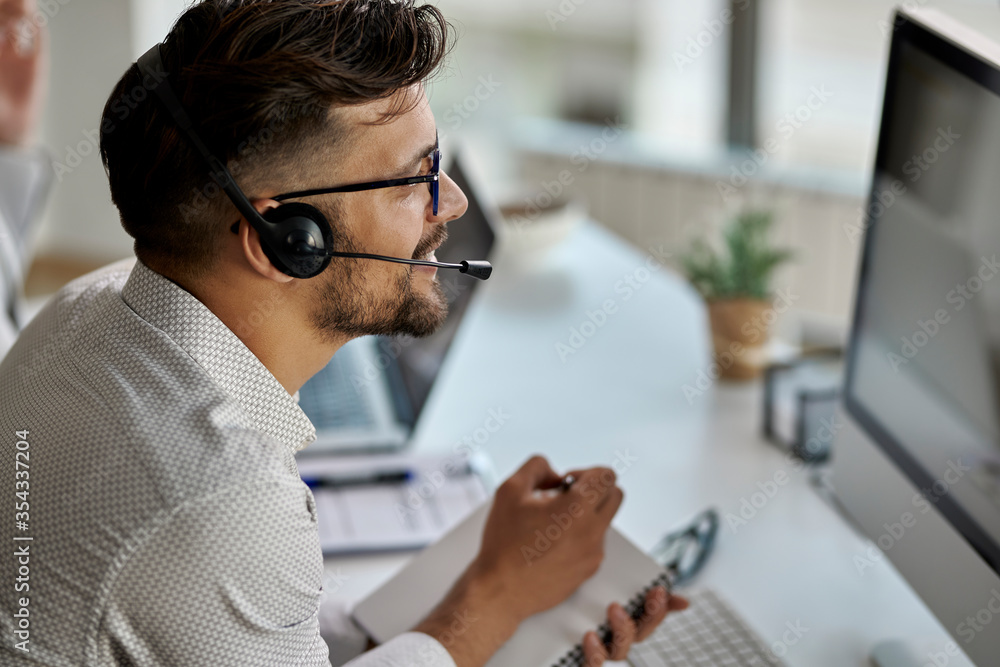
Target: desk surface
x,y
620,397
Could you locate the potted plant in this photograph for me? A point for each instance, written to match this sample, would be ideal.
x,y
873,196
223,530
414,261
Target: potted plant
x,y
736,287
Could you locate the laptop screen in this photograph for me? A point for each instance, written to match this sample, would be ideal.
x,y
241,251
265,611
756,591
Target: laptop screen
x,y
469,237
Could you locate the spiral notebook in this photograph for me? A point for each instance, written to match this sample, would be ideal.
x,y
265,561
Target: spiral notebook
x,y
550,638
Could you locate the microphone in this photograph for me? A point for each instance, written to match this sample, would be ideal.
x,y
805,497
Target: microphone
x,y
477,268
303,243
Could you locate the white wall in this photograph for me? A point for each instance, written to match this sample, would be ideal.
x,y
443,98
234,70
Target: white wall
x,y
90,49
92,44
152,19
654,206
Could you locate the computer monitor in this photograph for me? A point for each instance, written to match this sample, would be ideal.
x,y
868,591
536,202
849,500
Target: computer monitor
x,y
917,456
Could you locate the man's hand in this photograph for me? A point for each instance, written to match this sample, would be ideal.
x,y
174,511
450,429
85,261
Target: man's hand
x,y
545,543
625,631
23,70
539,544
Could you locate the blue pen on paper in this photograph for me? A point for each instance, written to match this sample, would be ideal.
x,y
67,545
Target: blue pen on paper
x,y
385,477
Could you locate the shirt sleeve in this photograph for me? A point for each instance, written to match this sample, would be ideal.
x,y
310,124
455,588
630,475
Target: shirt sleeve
x,y
346,641
344,638
25,177
410,648
232,579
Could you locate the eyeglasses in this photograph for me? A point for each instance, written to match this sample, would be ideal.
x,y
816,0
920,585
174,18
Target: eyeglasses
x,y
432,179
684,552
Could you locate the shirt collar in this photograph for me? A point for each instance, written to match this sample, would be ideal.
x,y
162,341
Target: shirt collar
x,y
196,330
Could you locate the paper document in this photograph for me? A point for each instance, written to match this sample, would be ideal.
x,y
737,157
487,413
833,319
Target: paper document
x,y
361,512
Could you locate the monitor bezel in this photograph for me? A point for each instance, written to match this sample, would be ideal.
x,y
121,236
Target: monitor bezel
x,y
987,74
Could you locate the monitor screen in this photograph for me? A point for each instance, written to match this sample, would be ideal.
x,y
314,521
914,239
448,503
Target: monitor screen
x,y
923,367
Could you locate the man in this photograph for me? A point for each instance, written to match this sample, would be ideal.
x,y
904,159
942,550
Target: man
x,y
25,174
167,522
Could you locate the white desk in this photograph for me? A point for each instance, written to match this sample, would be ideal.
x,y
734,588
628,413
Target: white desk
x,y
622,392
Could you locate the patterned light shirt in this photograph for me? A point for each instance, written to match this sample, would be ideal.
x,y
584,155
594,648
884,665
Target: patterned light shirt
x,y
152,456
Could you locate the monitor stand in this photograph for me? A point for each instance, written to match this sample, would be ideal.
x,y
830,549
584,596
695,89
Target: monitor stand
x,y
919,653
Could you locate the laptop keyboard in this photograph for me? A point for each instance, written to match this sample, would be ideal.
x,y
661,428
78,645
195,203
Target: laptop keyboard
x,y
331,400
707,634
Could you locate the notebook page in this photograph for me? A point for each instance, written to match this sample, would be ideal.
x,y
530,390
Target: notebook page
x,y
541,640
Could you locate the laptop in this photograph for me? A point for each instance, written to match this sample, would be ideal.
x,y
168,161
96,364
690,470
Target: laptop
x,y
371,394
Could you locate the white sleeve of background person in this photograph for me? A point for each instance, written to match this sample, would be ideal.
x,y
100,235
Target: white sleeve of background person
x,y
25,177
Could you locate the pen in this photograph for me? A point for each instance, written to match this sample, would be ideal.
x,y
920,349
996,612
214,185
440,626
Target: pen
x,y
369,479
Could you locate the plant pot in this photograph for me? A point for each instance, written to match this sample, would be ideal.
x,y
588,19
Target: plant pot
x,y
739,337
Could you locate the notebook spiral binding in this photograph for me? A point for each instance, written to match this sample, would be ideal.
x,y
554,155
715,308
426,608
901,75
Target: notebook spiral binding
x,y
635,607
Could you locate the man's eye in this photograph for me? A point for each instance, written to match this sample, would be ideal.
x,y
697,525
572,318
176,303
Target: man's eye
x,y
426,165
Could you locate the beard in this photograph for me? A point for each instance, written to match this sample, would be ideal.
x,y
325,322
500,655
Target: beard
x,y
348,304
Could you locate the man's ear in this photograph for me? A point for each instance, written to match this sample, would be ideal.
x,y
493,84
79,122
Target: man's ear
x,y
252,250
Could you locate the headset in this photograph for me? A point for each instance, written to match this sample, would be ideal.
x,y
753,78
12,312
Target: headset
x,y
296,237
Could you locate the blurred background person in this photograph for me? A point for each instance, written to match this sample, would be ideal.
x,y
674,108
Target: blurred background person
x,y
25,170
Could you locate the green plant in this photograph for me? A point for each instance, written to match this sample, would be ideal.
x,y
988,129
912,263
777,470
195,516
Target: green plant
x,y
744,270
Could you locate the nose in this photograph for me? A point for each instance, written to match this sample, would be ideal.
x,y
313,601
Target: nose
x,y
452,202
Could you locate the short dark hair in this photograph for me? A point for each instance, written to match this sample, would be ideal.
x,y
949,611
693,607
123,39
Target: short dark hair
x,y
259,78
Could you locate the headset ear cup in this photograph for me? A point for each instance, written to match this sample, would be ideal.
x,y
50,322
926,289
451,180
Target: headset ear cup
x,y
299,238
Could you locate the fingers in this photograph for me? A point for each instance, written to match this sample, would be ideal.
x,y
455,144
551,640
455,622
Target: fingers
x,y
597,489
655,608
18,30
625,632
594,654
608,506
536,473
593,488
553,483
13,12
595,482
14,8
